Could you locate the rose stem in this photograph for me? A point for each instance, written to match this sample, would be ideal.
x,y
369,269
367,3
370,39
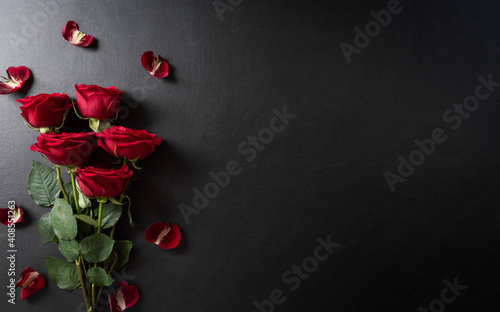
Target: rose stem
x,y
58,169
85,295
75,193
111,235
99,222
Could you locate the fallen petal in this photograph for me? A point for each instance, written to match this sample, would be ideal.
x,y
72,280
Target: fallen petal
x,y
16,78
15,217
31,281
76,37
126,296
165,235
156,66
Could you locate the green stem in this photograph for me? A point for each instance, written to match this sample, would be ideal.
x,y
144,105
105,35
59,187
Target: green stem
x,y
94,298
106,267
82,284
58,170
112,234
75,194
99,222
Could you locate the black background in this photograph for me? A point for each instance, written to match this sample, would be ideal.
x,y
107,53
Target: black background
x,y
321,176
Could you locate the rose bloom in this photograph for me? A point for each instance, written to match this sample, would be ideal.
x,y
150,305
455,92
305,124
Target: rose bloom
x,y
129,143
96,182
65,149
45,110
97,102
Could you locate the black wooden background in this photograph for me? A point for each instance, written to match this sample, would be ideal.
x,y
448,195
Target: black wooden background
x,y
355,104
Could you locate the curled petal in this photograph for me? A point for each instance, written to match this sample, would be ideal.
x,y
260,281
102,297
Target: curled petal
x,y
126,296
7,217
156,66
163,234
31,281
76,37
16,78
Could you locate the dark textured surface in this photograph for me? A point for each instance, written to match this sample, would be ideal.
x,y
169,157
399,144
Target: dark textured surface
x,y
322,175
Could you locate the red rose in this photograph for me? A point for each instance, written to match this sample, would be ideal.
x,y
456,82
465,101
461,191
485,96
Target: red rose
x,y
95,182
65,149
128,143
45,110
97,102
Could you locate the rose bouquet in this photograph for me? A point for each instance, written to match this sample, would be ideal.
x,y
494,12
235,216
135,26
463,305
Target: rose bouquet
x,y
102,165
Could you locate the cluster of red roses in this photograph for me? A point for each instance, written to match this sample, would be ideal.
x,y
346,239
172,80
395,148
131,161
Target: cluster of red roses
x,y
48,111
75,223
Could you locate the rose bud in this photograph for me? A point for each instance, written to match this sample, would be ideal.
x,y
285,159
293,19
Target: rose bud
x,y
65,149
98,104
74,36
95,182
16,76
31,281
131,144
156,66
165,235
15,216
45,111
126,296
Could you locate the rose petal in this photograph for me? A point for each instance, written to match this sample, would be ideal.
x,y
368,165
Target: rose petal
x,y
76,37
165,235
156,66
18,215
16,78
126,296
147,60
31,281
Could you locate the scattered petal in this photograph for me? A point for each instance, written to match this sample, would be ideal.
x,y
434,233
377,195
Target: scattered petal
x,y
15,217
126,296
31,281
156,66
76,37
16,78
163,234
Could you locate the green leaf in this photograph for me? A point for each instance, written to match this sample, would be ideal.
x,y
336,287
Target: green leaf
x,y
123,248
111,213
42,184
96,248
99,277
45,229
83,227
63,274
63,222
86,219
83,201
94,124
69,250
130,214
